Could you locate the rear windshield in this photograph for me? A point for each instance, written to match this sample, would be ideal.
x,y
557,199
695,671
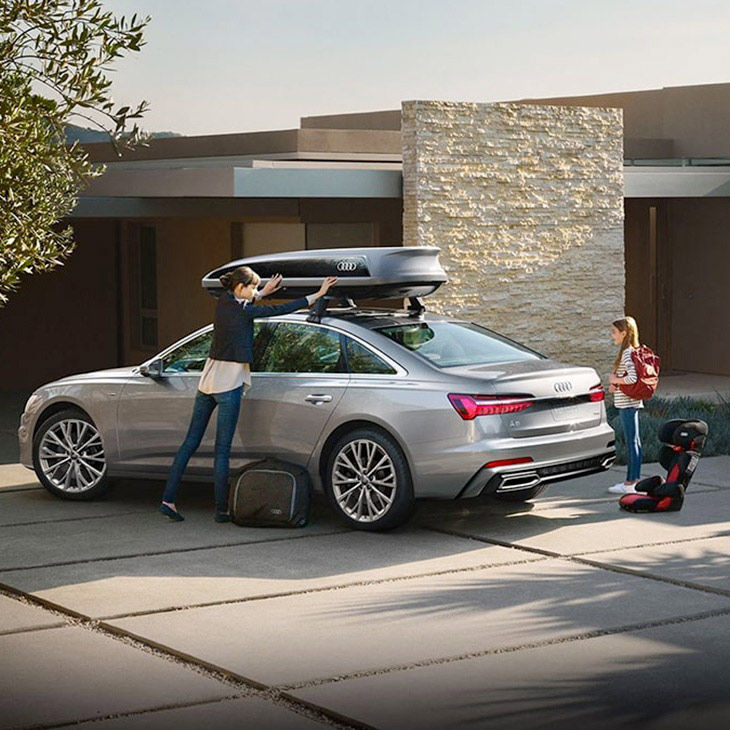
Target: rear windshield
x,y
450,344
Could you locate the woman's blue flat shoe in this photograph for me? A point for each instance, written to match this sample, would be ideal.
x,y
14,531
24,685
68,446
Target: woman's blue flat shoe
x,y
171,513
222,517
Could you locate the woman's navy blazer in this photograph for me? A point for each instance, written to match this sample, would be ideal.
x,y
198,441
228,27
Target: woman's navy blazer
x,y
233,326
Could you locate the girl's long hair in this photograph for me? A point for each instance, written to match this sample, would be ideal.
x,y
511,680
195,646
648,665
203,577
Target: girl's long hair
x,y
242,275
630,330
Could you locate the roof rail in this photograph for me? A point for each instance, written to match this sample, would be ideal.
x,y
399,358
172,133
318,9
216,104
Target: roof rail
x,y
320,306
415,307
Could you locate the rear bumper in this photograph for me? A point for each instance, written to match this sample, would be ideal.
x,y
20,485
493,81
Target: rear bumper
x,y
529,476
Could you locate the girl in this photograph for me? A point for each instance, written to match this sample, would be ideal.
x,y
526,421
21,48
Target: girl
x,y
225,374
625,333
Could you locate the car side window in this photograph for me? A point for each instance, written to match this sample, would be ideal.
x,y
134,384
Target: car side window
x,y
189,357
263,334
360,360
303,348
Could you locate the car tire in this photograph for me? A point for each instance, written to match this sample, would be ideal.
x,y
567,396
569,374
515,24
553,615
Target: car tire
x,y
68,456
375,500
522,495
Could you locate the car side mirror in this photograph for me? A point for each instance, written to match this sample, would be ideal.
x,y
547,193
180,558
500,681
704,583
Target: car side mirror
x,y
152,369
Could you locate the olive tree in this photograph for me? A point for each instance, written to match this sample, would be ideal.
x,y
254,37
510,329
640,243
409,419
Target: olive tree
x,y
55,56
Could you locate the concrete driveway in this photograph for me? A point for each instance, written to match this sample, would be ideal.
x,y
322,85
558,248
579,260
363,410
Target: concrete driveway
x,y
477,615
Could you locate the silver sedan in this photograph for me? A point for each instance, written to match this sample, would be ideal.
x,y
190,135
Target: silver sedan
x,y
380,406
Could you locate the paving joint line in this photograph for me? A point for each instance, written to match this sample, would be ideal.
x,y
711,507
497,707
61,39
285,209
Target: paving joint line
x,y
661,579
656,544
584,636
69,519
154,553
320,589
120,715
245,686
596,564
33,629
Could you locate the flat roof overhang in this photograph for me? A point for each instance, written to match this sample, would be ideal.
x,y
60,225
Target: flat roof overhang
x,y
348,181
137,191
676,182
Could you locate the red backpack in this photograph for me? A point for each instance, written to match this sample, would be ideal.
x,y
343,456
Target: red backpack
x,y
647,365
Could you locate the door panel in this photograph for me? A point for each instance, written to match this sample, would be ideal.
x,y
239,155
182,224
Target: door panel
x,y
154,414
278,419
300,379
153,418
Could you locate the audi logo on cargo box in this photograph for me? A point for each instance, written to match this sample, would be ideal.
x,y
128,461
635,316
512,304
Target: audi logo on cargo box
x,y
563,387
346,265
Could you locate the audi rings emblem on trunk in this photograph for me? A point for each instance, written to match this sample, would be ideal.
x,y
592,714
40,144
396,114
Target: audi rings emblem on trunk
x,y
346,265
364,480
564,386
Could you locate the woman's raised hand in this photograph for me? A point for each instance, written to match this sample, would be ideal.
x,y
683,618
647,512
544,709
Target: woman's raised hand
x,y
272,285
326,284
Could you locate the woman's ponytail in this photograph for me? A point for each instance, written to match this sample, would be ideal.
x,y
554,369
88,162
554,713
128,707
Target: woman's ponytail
x,y
242,275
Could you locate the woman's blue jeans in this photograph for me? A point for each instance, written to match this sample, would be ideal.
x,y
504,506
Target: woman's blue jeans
x,y
630,424
229,405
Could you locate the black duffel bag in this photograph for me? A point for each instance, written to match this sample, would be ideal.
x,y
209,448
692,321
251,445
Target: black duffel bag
x,y
270,493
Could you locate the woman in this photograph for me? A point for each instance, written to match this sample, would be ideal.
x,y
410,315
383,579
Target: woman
x,y
625,333
225,375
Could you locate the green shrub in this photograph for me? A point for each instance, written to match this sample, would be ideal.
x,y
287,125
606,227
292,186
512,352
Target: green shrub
x,y
658,410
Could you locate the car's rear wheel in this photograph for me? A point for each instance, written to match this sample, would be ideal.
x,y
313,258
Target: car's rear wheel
x,y
522,495
368,481
68,456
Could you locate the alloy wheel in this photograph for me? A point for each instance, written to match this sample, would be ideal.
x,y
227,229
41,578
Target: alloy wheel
x,y
71,456
364,481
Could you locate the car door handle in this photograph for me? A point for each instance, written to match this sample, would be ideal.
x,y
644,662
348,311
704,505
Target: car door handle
x,y
318,398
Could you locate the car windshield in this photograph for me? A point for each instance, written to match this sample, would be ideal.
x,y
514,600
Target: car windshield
x,y
450,344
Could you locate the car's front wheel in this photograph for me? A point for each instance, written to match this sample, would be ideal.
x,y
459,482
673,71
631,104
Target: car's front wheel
x,y
68,456
368,481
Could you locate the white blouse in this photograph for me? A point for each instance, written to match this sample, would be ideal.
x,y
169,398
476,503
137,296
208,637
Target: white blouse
x,y
218,376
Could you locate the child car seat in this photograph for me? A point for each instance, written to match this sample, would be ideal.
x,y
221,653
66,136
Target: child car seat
x,y
683,441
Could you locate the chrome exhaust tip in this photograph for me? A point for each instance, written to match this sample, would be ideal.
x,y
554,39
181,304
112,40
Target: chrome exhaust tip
x,y
607,463
518,480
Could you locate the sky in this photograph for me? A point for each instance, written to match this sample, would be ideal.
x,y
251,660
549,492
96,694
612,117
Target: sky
x,y
219,66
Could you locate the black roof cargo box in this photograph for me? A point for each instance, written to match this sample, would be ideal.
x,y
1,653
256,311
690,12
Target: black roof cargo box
x,y
363,273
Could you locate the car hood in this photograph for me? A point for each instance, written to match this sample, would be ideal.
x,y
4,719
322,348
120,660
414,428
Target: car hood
x,y
98,375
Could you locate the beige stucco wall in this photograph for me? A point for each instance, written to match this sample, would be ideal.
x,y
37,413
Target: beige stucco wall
x,y
526,204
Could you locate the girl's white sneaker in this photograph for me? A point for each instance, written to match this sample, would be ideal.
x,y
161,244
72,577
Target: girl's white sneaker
x,y
622,488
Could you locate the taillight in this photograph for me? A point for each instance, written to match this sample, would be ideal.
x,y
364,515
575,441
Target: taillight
x,y
597,393
471,406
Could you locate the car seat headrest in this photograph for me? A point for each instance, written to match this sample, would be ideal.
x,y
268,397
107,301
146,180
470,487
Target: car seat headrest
x,y
687,434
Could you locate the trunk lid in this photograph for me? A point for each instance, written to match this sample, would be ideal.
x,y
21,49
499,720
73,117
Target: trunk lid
x,y
562,398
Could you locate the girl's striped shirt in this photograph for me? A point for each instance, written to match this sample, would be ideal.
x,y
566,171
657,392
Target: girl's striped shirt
x,y
626,369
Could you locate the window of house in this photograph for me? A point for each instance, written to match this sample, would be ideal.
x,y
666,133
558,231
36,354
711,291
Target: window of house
x,y
144,314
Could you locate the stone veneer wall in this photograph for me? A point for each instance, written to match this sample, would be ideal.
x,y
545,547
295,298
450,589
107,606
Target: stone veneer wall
x,y
526,204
